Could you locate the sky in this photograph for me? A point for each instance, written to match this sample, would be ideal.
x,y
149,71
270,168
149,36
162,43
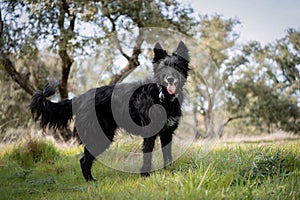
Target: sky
x,y
261,20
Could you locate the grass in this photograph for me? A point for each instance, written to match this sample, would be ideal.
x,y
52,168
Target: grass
x,y
39,170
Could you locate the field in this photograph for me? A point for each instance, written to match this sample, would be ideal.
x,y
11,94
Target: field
x,y
41,170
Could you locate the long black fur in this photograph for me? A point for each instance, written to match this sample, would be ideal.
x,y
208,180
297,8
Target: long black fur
x,y
170,71
54,115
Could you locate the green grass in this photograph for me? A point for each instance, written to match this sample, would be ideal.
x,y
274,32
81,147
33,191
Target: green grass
x,y
38,170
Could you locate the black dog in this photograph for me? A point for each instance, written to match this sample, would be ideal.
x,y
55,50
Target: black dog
x,y
149,109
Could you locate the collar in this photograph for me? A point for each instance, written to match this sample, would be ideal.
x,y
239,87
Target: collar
x,y
161,95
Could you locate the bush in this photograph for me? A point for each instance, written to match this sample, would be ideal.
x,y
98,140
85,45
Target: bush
x,y
34,151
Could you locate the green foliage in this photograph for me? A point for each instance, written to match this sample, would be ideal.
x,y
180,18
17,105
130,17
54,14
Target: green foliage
x,y
265,88
286,56
28,23
230,171
262,106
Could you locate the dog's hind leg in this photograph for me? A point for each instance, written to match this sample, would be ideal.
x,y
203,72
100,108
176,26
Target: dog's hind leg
x,y
86,163
87,160
148,146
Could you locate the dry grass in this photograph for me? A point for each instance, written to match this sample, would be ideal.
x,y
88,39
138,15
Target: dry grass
x,y
273,137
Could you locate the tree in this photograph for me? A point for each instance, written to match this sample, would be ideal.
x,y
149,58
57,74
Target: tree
x,y
28,27
212,68
59,23
266,87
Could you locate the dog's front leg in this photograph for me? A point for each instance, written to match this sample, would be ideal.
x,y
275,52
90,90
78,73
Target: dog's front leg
x,y
148,146
166,146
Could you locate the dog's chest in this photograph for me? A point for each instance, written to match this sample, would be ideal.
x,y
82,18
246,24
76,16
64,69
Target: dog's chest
x,y
171,121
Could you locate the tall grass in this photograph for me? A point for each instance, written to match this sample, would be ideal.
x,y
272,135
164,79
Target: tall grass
x,y
32,152
229,171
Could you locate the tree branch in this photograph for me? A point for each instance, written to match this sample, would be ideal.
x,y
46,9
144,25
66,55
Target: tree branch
x,y
112,21
21,79
133,61
10,68
121,50
221,128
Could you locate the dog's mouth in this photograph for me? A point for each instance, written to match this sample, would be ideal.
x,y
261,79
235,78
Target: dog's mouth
x,y
171,88
171,85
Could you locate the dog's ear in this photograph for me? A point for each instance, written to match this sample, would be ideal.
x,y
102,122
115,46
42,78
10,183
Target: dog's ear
x,y
159,53
182,52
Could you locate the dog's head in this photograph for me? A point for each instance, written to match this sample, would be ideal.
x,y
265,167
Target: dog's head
x,y
171,70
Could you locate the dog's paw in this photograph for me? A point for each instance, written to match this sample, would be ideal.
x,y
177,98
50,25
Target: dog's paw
x,y
145,174
92,180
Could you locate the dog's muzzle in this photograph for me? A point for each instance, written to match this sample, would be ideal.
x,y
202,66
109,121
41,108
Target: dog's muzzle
x,y
171,84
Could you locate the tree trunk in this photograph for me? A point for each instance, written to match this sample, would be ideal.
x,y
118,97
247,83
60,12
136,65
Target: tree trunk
x,y
209,118
66,35
65,71
196,121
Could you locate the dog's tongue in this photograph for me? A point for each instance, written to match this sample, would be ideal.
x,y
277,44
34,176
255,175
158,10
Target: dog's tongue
x,y
171,88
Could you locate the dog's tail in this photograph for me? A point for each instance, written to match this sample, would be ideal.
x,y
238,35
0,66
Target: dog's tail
x,y
54,115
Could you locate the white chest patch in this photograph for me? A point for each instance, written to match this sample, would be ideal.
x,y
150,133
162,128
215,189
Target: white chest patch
x,y
171,121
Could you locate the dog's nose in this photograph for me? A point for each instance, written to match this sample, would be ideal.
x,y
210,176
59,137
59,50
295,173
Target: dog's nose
x,y
170,79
